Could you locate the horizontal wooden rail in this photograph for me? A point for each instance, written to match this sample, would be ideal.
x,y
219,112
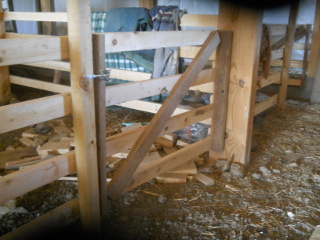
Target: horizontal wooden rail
x,y
55,65
123,141
28,179
132,41
293,63
191,52
26,50
162,165
264,105
19,115
128,75
273,78
137,90
55,219
199,20
48,86
36,16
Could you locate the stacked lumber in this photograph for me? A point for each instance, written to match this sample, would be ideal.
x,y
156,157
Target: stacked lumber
x,y
40,142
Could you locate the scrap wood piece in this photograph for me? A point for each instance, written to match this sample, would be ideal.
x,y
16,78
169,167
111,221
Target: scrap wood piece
x,y
172,178
204,179
187,168
13,155
181,143
131,127
124,175
26,141
23,163
61,147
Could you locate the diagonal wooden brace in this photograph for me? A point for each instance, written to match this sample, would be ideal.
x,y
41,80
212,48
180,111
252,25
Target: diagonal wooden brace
x,y
123,176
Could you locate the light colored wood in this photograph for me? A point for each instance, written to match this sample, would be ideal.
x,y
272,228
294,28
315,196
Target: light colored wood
x,y
100,93
5,89
81,63
55,219
204,179
28,179
293,63
46,27
17,51
137,90
191,52
57,76
123,176
16,154
28,82
36,16
246,25
122,141
273,78
264,105
132,41
169,162
129,75
316,233
305,57
199,20
221,88
315,44
315,94
294,8
299,33
147,3
56,65
27,113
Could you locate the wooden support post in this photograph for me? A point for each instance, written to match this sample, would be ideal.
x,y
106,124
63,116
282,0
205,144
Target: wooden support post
x,y
315,95
81,63
315,44
294,8
5,91
221,87
124,175
246,25
100,103
305,56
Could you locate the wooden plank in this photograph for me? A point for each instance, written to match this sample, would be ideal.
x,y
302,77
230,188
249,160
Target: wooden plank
x,y
51,87
246,25
122,141
17,51
294,8
81,60
27,113
57,65
100,93
13,155
147,3
293,63
137,90
191,52
315,44
315,94
199,20
299,33
132,41
36,16
221,88
164,164
28,179
46,27
129,75
305,57
273,78
5,89
122,177
264,105
51,221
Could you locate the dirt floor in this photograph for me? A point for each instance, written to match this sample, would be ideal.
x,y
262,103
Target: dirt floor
x,y
277,198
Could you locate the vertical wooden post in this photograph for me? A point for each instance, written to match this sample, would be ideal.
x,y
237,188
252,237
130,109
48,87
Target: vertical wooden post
x,y
246,25
305,57
294,8
100,103
315,44
46,27
83,105
220,93
5,90
315,95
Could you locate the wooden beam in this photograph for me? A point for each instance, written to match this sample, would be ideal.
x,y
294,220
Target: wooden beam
x,y
305,57
17,51
246,25
221,88
28,179
51,87
129,75
46,27
264,105
23,114
315,44
292,64
36,16
5,90
191,52
51,221
123,141
157,167
81,61
299,33
57,65
294,8
199,20
273,78
100,106
123,176
137,90
132,41
315,94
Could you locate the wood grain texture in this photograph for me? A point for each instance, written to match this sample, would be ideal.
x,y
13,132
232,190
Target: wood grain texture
x,y
315,44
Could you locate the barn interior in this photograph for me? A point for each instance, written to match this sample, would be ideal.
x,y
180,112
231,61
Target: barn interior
x,y
159,119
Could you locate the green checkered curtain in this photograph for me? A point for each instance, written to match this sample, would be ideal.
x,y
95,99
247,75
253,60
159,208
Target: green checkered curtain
x,y
98,21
